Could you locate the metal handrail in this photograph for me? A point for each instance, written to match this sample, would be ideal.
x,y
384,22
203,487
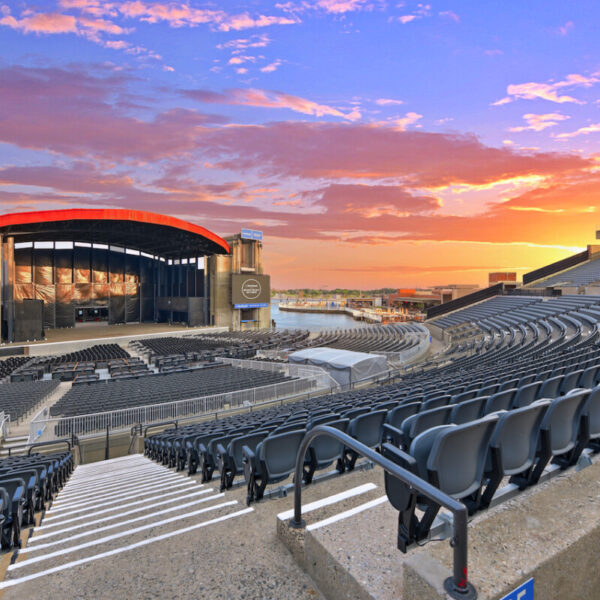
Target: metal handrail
x,y
176,423
66,441
456,586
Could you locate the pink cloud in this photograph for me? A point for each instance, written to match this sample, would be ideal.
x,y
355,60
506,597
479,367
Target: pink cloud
x,y
548,91
316,150
270,99
564,29
42,23
183,15
540,122
586,130
450,15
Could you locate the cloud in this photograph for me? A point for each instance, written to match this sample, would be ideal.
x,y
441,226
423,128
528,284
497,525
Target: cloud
x,y
78,114
254,41
593,128
564,29
409,119
540,122
273,66
336,7
270,99
548,91
183,15
422,10
365,151
448,14
388,102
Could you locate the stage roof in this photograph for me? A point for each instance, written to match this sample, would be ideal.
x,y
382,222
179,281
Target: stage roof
x,y
149,232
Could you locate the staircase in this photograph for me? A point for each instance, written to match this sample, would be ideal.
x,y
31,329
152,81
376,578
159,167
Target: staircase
x,y
109,511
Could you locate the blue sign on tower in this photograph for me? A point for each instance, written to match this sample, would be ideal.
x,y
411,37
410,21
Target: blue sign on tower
x,y
252,234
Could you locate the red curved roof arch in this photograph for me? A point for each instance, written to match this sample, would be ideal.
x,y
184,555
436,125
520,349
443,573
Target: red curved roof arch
x,y
151,232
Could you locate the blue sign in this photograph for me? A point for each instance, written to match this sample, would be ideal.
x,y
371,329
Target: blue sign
x,y
252,234
523,592
259,305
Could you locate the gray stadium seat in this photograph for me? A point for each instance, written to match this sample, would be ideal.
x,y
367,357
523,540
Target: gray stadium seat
x,y
450,457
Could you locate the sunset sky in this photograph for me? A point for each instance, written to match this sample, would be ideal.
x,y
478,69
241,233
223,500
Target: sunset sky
x,y
375,143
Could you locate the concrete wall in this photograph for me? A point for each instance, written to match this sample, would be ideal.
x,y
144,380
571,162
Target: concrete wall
x,y
550,533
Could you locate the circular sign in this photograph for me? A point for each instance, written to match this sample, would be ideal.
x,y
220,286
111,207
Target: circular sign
x,y
251,289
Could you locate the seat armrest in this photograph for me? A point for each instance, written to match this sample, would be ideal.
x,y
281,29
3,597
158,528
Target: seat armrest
x,y
248,455
393,434
401,458
221,452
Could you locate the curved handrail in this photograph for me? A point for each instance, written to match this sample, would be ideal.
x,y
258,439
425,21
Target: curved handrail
x,y
152,425
66,441
456,586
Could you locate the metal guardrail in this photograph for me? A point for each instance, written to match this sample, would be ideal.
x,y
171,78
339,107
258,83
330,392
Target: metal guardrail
x,y
4,424
289,369
456,586
44,428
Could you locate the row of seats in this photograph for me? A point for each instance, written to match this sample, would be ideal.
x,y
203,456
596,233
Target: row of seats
x,y
8,365
469,461
207,346
383,338
117,394
389,413
27,485
17,399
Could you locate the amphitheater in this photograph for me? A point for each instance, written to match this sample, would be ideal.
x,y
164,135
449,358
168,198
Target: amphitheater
x,y
200,462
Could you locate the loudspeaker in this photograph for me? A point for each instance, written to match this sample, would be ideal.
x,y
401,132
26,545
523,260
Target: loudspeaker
x,y
29,320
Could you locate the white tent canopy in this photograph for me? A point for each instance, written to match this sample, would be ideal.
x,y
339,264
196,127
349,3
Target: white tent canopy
x,y
343,365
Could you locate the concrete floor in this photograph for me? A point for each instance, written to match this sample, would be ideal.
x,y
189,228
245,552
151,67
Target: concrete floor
x,y
240,558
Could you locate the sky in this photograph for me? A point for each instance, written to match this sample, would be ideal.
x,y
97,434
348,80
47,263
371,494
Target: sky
x,y
375,143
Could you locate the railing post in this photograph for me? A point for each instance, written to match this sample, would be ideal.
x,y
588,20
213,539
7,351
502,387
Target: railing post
x,y
107,450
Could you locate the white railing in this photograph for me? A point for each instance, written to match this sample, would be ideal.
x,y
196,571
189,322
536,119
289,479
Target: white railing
x,y
4,425
38,424
44,428
291,370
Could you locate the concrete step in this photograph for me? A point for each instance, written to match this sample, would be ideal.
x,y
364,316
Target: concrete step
x,y
348,545
111,508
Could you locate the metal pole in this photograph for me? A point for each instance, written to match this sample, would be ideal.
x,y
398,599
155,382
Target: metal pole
x,y
456,586
107,449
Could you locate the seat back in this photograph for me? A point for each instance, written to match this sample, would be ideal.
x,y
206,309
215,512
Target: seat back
x,y
499,401
420,448
562,420
326,448
367,428
571,380
422,421
526,394
396,416
588,377
322,420
435,402
278,453
592,411
468,395
551,387
508,384
517,435
458,456
234,449
488,390
355,412
470,410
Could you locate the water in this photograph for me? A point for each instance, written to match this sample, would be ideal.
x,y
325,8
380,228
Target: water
x,y
310,321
